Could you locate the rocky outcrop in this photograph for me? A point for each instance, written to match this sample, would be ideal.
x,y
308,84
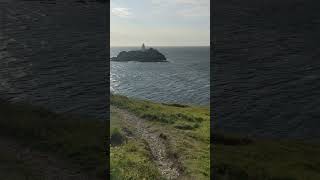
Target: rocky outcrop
x,y
149,55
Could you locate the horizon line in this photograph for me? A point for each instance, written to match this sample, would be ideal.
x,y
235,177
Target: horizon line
x,y
163,46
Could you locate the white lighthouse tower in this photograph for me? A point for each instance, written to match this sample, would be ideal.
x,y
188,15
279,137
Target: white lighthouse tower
x,y
143,48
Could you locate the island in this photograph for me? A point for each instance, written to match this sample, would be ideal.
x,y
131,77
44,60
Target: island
x,y
143,55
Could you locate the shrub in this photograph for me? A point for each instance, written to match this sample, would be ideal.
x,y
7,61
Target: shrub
x,y
184,127
116,137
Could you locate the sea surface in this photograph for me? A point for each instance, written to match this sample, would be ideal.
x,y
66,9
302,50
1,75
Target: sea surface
x,y
266,68
184,79
53,54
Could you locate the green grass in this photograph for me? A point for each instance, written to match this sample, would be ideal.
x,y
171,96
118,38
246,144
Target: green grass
x,y
186,128
132,161
235,157
171,115
79,141
129,159
244,159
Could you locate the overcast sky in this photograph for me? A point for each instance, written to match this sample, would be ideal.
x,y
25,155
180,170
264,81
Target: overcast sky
x,y
160,22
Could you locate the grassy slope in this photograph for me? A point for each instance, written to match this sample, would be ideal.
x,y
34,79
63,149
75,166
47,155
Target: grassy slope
x,y
131,160
187,129
266,160
234,158
79,141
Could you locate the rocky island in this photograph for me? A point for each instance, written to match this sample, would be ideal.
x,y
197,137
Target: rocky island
x,y
143,55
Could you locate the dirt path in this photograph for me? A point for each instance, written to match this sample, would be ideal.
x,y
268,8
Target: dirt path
x,y
166,165
38,164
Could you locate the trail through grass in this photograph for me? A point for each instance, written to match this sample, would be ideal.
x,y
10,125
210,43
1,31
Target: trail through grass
x,y
184,130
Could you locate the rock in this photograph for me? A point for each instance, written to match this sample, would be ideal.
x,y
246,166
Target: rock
x,y
148,55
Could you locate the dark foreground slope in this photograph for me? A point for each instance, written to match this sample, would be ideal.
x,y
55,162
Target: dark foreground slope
x,y
242,158
266,67
39,144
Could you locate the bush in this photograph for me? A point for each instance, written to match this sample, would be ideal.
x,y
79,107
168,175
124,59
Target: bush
x,y
163,136
230,140
116,137
184,127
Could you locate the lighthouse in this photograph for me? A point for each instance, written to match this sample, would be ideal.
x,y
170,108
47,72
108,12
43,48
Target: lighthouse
x,y
143,48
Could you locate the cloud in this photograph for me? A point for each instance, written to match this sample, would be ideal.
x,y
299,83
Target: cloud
x,y
199,11
186,8
121,12
160,22
194,2
182,2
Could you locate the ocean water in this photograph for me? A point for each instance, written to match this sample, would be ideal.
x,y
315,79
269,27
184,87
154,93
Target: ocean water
x,y
266,68
184,79
53,55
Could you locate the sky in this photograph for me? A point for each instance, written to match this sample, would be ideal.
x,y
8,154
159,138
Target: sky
x,y
160,22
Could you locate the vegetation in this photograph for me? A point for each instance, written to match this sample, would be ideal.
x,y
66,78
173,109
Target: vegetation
x,y
186,130
235,157
130,159
244,158
80,141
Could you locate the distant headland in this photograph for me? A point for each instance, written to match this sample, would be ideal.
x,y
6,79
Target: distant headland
x,y
143,55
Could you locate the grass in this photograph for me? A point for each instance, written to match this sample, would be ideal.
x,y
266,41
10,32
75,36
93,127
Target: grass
x,y
170,115
129,158
235,157
185,128
79,141
239,158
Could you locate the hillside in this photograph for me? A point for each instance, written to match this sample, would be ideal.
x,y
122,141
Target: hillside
x,y
242,158
153,140
184,132
37,144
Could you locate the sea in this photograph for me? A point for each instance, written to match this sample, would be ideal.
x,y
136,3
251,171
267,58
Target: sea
x,y
184,79
54,55
266,68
